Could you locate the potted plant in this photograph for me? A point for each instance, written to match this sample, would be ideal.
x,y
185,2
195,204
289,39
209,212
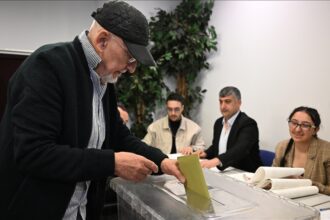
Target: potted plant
x,y
140,93
181,41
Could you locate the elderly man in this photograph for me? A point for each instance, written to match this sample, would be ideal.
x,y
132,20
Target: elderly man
x,y
175,133
235,136
61,135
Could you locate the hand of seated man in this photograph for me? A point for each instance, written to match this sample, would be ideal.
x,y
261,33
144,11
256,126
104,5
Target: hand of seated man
x,y
210,163
186,150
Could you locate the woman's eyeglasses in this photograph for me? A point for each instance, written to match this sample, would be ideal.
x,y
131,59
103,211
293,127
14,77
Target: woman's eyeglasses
x,y
303,125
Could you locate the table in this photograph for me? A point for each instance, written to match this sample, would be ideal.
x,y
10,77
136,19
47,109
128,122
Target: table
x,y
318,201
150,200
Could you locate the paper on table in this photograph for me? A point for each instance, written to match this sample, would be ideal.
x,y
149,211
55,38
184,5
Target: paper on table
x,y
263,173
228,169
297,192
315,200
196,189
244,177
285,183
174,156
325,214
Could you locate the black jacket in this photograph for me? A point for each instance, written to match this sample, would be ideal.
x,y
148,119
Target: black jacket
x,y
44,133
242,145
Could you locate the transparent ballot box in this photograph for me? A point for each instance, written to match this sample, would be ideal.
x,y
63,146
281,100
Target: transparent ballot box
x,y
163,197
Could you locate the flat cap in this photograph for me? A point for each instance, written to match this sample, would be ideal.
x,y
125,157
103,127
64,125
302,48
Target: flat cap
x,y
130,24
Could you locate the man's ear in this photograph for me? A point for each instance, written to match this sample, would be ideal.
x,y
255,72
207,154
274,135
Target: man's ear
x,y
102,40
103,44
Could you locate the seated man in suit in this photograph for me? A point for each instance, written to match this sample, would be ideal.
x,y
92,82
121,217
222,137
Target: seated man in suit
x,y
235,136
175,133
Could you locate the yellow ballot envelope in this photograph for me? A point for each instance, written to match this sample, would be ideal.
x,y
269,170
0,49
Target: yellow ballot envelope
x,y
198,196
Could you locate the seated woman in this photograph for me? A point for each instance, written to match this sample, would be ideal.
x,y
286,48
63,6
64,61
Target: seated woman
x,y
305,149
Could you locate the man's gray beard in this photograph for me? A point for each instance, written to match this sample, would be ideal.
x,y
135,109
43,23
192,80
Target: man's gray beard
x,y
109,78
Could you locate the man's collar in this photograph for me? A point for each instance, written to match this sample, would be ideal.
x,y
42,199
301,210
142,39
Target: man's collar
x,y
167,121
93,59
232,119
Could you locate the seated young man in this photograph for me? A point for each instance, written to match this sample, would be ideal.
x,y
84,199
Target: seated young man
x,y
175,133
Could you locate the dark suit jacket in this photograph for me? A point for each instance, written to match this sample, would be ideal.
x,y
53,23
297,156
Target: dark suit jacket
x,y
242,146
44,133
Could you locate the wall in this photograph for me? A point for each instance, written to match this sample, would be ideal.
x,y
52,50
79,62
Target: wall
x,y
276,52
26,25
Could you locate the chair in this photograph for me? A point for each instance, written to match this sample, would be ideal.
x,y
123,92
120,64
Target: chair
x,y
267,157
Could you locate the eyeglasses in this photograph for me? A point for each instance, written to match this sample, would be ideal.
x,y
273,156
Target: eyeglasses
x,y
303,125
173,109
131,59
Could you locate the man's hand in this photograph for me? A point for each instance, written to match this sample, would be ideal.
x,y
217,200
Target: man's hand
x,y
210,163
186,150
133,167
200,153
171,167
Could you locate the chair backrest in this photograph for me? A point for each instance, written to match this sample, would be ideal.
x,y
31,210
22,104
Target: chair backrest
x,y
267,157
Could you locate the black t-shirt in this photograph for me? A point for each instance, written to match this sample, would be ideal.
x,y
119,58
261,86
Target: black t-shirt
x,y
174,126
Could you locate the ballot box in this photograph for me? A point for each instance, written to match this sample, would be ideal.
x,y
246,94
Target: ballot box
x,y
162,197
